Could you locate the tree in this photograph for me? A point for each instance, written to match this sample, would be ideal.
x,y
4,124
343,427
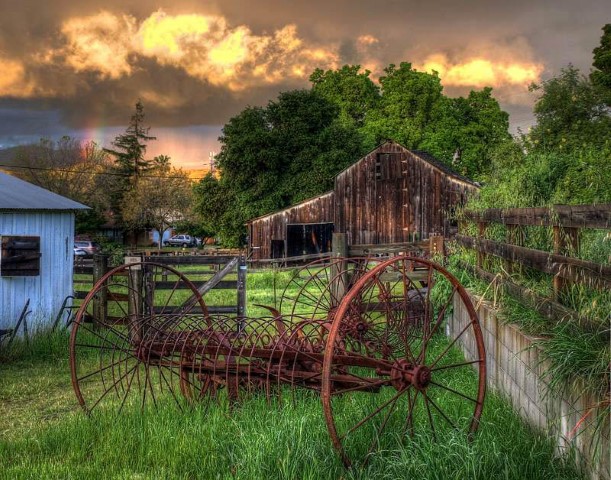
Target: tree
x,y
275,156
469,131
353,92
158,200
410,103
570,113
130,147
601,76
73,169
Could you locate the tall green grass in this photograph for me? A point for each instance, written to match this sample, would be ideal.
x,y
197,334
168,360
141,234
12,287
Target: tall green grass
x,y
259,441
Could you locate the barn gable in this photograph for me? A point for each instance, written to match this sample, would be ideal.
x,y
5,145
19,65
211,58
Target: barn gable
x,y
390,195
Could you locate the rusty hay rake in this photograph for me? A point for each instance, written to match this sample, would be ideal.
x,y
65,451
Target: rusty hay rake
x,y
386,344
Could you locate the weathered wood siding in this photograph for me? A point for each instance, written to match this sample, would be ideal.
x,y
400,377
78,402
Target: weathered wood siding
x,y
48,290
263,230
396,198
391,195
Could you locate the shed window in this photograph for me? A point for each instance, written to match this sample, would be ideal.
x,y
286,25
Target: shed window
x,y
20,256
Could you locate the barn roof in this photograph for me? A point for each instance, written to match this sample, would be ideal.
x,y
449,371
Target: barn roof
x,y
422,155
17,194
295,205
442,166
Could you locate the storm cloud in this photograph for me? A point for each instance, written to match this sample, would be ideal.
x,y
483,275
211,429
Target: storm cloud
x,y
199,63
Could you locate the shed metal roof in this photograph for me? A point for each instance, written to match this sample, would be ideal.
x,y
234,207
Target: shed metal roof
x,y
17,194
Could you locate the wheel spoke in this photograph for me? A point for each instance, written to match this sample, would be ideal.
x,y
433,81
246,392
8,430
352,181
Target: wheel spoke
x,y
456,365
456,392
430,400
373,414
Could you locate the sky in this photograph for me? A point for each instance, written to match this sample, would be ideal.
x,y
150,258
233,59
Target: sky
x,y
78,68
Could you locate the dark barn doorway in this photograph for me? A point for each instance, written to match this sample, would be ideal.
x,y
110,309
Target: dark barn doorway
x,y
308,238
277,248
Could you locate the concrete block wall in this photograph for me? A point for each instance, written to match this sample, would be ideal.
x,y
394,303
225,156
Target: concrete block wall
x,y
516,368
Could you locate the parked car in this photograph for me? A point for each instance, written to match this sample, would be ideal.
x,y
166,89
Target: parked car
x,y
90,248
79,252
181,241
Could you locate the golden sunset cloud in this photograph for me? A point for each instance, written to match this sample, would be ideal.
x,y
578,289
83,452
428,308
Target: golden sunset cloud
x,y
206,48
203,46
482,72
13,80
100,43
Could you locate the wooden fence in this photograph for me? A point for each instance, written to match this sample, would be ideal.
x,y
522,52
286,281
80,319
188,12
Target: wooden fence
x,y
222,265
215,267
566,270
340,248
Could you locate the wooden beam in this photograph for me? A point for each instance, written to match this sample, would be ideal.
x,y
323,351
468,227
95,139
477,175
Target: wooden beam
x,y
222,285
210,284
190,260
363,250
299,258
547,307
590,274
573,216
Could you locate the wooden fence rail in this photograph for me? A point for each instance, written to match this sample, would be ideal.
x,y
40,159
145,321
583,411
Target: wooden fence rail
x,y
228,263
434,244
593,275
567,216
566,270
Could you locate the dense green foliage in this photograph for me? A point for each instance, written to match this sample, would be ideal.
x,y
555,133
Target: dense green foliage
x,y
275,156
601,75
291,149
43,430
566,156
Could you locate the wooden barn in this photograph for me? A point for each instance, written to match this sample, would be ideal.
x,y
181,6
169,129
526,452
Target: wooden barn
x,y
391,195
36,256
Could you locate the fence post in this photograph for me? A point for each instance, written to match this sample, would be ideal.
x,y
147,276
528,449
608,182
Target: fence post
x,y
514,236
566,242
339,245
134,298
242,270
436,245
100,267
481,232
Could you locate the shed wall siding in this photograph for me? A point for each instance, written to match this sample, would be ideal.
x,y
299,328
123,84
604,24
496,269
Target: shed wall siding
x,y
407,197
413,200
48,290
273,227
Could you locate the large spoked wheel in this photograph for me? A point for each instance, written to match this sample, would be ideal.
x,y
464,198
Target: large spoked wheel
x,y
316,289
128,335
416,369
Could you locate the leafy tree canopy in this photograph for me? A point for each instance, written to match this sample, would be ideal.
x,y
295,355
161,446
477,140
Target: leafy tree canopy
x,y
160,200
601,75
291,149
352,91
570,113
274,156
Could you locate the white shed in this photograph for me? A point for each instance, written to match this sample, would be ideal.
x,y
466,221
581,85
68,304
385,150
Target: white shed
x,y
36,256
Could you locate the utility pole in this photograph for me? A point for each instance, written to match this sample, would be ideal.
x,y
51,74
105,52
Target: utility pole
x,y
211,158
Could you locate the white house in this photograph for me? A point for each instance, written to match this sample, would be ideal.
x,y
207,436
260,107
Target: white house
x,y
36,256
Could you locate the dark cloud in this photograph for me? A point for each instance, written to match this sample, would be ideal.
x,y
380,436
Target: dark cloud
x,y
551,34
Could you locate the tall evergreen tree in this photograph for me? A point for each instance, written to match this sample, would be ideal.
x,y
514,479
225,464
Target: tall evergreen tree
x,y
601,75
130,147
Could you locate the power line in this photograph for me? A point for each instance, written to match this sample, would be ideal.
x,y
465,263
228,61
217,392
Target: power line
x,y
116,174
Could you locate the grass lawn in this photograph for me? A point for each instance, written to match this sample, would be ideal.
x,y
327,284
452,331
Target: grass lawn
x,y
44,433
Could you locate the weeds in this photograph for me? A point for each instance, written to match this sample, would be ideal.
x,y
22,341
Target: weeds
x,y
44,433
